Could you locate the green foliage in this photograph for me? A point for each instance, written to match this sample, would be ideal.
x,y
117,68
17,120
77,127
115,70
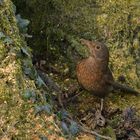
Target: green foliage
x,y
43,108
74,128
70,129
39,82
22,23
109,132
2,35
57,26
1,2
28,69
119,27
57,21
113,21
118,20
5,39
43,138
29,94
25,51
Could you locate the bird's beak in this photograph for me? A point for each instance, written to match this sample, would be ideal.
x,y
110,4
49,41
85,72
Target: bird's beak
x,y
85,42
89,45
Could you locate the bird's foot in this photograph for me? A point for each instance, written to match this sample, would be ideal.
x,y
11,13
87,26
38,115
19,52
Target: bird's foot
x,y
99,117
89,120
100,120
93,119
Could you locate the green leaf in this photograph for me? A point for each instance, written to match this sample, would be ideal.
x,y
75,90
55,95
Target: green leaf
x,y
22,23
43,138
40,82
29,94
25,51
74,128
43,108
1,2
2,35
110,132
62,114
64,127
8,40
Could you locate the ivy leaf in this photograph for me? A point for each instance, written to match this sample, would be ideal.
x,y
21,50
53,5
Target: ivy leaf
x,y
30,72
44,108
5,39
22,23
8,40
25,51
40,82
43,138
74,128
14,8
29,94
2,35
1,2
109,131
64,127
47,108
28,69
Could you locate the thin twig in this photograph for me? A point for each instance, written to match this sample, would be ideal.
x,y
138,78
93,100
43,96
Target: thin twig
x,y
94,133
72,98
86,130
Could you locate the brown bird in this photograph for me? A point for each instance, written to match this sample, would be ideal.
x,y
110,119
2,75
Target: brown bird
x,y
93,73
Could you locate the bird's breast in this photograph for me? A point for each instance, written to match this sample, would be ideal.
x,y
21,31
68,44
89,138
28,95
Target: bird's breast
x,y
91,78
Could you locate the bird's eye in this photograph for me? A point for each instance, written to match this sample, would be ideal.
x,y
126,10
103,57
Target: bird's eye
x,y
98,47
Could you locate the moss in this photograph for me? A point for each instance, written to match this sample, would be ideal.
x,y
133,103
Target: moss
x,y
56,36
62,23
17,114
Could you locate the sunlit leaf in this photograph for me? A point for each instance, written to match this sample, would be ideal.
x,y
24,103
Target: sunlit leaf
x,y
1,2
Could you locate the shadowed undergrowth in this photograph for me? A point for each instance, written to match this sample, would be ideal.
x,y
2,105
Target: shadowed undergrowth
x,y
27,104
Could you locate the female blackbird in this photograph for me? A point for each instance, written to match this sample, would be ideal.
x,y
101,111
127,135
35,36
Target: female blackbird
x,y
93,73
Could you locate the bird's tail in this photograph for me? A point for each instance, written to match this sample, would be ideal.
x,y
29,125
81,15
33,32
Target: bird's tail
x,y
124,88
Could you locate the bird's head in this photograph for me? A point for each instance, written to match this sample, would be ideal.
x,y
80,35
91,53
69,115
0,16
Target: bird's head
x,y
97,50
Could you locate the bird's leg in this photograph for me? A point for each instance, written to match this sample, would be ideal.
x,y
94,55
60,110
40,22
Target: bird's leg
x,y
102,104
100,120
93,119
